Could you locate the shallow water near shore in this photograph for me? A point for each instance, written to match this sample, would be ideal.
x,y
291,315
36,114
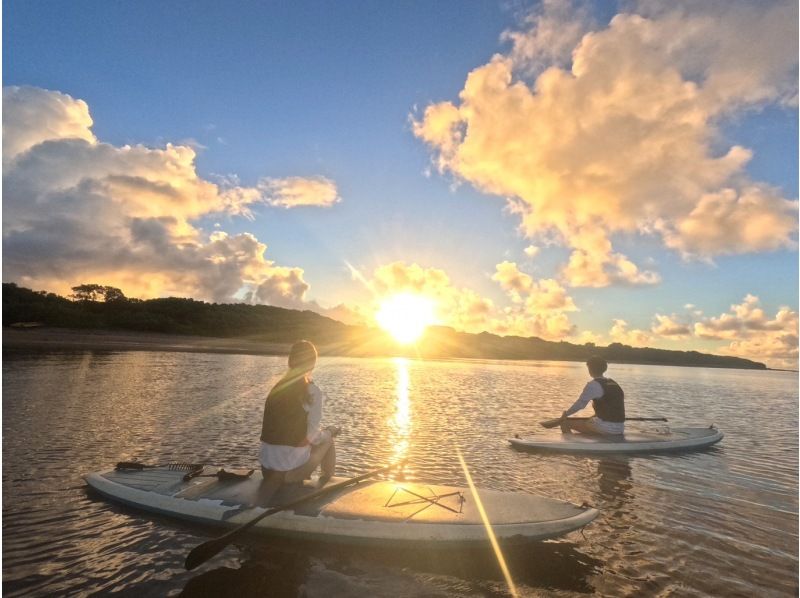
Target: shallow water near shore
x,y
719,522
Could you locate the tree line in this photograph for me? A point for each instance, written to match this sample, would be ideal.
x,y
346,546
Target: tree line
x,y
95,306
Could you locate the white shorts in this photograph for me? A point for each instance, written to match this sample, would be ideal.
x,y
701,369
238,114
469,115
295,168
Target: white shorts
x,y
604,427
283,458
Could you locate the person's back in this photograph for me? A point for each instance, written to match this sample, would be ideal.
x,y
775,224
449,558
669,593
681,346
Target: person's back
x,y
285,416
608,401
292,443
610,407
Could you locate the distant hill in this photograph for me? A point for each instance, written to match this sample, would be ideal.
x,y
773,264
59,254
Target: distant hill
x,y
266,323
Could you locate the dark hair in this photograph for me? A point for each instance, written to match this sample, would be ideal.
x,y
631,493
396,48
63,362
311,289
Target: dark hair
x,y
303,355
597,365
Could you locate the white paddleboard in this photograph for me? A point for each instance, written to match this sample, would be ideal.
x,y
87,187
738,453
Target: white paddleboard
x,y
676,439
380,512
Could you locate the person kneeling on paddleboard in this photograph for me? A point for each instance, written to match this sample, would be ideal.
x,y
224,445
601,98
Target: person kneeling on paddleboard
x,y
292,443
607,399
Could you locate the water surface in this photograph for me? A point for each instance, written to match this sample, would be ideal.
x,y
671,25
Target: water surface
x,y
717,522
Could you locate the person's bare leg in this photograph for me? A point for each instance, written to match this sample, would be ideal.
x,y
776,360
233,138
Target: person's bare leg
x,y
318,451
328,464
270,483
582,426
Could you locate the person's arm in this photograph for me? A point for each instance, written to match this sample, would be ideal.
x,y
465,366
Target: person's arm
x,y
314,434
591,391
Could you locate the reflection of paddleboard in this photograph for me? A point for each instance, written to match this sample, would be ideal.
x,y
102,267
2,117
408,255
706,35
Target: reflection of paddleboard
x,y
677,439
369,512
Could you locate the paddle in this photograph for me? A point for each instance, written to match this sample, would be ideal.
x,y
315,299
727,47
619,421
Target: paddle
x,y
553,423
179,466
222,475
201,553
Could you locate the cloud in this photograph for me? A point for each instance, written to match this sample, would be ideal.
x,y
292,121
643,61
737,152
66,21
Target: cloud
x,y
587,337
461,308
622,137
532,251
620,333
39,117
550,35
79,210
294,192
535,308
745,319
353,315
753,334
543,295
756,218
746,329
539,308
671,327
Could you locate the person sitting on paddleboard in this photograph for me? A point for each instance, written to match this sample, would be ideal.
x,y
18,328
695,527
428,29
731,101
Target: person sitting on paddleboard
x,y
607,399
292,443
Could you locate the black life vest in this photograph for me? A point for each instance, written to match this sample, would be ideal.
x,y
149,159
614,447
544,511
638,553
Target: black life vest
x,y
611,406
285,419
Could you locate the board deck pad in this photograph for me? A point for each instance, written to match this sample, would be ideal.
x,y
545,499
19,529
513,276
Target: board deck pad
x,y
374,510
631,442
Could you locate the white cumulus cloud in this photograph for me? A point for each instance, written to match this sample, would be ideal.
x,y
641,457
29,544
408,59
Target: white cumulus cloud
x,y
616,130
753,334
79,210
294,192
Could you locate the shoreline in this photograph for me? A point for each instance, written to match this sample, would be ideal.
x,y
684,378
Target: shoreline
x,y
74,339
114,340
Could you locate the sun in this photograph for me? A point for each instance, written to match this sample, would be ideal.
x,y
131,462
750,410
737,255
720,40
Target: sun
x,y
406,316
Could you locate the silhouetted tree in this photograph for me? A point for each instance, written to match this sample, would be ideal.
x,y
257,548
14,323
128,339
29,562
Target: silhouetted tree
x,y
97,292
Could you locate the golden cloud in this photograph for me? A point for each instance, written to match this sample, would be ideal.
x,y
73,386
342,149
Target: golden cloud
x,y
537,308
753,334
620,333
295,192
625,141
79,210
671,327
538,296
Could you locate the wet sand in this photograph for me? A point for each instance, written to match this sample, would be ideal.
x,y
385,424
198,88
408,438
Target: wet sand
x,y
71,339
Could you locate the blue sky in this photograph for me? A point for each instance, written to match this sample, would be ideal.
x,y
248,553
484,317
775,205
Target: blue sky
x,y
332,91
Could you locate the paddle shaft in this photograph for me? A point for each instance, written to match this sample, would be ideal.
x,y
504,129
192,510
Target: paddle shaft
x,y
552,423
201,553
176,466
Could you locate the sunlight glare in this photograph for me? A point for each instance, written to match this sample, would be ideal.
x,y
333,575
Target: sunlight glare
x,y
400,422
406,316
487,524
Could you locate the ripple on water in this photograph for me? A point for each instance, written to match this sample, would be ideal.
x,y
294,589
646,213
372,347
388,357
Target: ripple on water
x,y
719,522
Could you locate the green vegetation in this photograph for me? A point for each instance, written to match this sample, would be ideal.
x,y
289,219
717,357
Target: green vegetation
x,y
102,307
486,345
171,315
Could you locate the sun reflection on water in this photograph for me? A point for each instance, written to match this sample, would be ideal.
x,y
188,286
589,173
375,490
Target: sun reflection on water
x,y
400,421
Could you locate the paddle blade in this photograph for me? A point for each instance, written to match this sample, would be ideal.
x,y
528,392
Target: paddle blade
x,y
201,553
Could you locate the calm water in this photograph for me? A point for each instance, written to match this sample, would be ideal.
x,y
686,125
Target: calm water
x,y
720,522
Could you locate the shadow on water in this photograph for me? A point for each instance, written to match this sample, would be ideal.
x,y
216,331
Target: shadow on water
x,y
287,571
282,574
615,482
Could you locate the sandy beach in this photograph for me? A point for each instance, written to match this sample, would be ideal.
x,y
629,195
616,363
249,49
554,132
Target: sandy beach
x,y
72,339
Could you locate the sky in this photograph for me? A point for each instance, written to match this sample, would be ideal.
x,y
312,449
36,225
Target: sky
x,y
582,171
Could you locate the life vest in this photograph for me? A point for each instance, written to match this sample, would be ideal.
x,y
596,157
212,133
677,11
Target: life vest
x,y
285,419
611,406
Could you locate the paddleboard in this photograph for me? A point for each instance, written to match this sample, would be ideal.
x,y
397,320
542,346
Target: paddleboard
x,y
675,439
373,511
